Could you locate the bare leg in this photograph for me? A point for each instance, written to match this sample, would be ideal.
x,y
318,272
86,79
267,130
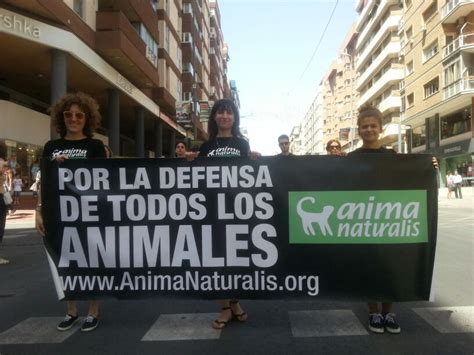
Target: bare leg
x,y
224,317
72,308
93,309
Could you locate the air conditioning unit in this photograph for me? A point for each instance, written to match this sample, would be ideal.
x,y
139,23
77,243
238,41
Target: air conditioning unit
x,y
423,28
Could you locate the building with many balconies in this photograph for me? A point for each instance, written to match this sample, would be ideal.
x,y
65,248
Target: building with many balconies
x,y
437,92
108,49
378,63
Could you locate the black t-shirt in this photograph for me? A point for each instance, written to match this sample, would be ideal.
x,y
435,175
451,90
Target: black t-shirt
x,y
225,147
74,149
381,150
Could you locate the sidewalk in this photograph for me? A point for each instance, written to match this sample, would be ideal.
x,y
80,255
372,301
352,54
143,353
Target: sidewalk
x,y
24,216
466,202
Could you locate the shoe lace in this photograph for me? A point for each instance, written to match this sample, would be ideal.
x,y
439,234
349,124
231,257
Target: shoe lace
x,y
390,318
89,319
377,318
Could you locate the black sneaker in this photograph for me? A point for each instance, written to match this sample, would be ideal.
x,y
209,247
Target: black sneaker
x,y
390,323
90,324
68,322
376,323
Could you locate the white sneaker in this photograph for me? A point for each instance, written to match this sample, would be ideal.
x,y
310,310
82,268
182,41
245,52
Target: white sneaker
x,y
4,261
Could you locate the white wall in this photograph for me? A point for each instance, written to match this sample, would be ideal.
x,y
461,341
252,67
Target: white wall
x,y
22,124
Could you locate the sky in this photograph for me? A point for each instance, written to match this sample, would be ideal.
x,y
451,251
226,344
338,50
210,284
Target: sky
x,y
270,44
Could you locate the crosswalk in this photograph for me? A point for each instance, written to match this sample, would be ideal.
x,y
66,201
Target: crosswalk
x,y
196,326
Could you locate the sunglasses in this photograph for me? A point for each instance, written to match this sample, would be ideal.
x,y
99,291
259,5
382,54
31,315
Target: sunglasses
x,y
78,115
334,147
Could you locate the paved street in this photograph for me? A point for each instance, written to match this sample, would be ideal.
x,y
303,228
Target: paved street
x,y
29,311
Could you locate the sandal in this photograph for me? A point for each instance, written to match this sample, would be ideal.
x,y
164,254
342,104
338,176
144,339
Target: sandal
x,y
220,324
241,317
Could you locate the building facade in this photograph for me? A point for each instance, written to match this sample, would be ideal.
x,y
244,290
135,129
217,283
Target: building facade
x,y
378,64
312,125
127,54
437,92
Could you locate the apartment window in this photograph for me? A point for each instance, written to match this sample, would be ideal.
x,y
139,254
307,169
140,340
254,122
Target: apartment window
x,y
409,68
187,8
409,33
430,11
179,89
187,96
78,7
430,51
418,136
154,4
151,46
452,74
187,38
411,100
188,68
455,124
407,3
167,39
167,78
431,87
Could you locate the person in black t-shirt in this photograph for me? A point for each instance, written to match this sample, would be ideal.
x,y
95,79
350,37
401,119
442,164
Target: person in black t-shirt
x,y
76,117
369,124
225,140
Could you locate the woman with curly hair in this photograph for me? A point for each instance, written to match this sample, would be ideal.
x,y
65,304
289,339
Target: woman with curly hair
x,y
76,116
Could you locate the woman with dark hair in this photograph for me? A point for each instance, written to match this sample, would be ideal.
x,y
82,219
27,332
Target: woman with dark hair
x,y
76,117
225,140
180,149
333,147
3,206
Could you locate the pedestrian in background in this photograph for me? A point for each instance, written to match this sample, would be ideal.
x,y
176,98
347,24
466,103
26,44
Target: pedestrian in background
x,y
3,206
457,179
284,144
180,149
333,147
75,117
17,187
450,184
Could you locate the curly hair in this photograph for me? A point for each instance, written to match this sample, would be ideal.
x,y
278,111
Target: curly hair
x,y
369,110
85,102
223,105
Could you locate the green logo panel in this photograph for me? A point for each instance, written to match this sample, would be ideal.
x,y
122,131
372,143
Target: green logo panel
x,y
358,217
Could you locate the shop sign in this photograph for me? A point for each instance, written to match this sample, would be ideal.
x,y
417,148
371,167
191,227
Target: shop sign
x,y
455,148
19,24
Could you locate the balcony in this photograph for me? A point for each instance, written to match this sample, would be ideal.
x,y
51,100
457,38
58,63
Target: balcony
x,y
384,5
462,86
391,23
393,75
391,103
464,42
454,9
390,51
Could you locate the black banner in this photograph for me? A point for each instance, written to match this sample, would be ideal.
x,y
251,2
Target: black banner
x,y
360,227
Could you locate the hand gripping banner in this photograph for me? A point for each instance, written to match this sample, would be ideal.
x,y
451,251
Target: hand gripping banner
x,y
342,228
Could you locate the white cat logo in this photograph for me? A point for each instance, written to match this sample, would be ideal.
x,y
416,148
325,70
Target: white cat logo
x,y
308,218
